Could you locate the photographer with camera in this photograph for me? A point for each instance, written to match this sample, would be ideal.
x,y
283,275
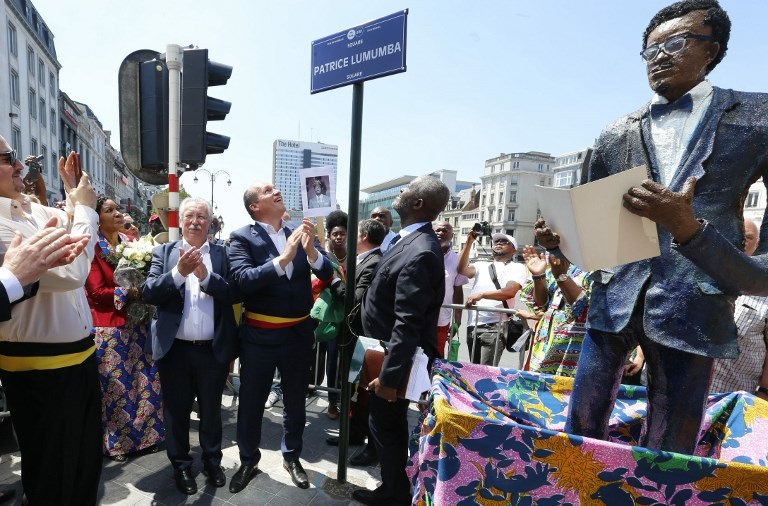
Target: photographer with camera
x,y
495,285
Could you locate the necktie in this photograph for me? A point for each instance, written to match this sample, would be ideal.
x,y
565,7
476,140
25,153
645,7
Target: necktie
x,y
684,103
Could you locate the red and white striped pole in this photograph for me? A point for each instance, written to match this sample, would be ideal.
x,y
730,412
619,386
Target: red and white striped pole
x,y
173,59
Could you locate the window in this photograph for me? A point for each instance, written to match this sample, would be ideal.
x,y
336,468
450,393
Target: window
x,y
53,119
16,135
33,145
564,178
31,60
52,84
15,87
41,72
498,216
12,40
43,112
44,152
32,103
54,164
512,197
514,179
511,215
752,199
493,199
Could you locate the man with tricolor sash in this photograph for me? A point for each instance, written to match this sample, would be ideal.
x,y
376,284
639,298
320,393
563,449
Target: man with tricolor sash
x,y
272,264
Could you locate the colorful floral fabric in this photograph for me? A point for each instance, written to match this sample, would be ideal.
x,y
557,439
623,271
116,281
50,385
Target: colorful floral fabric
x,y
492,436
132,403
557,338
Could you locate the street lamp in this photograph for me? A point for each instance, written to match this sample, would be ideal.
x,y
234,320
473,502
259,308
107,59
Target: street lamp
x,y
212,176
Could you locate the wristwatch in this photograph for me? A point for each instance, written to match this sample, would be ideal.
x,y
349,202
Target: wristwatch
x,y
561,278
761,390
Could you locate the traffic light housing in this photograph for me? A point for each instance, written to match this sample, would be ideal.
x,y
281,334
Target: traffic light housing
x,y
153,110
197,108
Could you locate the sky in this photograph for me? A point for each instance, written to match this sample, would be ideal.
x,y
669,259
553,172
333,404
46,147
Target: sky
x,y
483,77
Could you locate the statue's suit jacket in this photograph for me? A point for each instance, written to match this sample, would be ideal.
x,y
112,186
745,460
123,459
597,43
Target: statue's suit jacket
x,y
403,302
160,290
689,290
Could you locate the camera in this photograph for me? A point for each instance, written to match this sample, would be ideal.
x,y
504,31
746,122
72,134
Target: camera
x,y
36,162
482,228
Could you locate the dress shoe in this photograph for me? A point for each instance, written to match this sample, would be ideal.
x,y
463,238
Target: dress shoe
x,y
150,449
333,411
185,482
298,475
353,440
365,457
377,497
242,477
215,475
120,457
7,493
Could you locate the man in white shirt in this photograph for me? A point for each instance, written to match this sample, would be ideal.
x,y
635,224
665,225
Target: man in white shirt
x,y
193,339
748,372
47,356
485,338
454,283
272,264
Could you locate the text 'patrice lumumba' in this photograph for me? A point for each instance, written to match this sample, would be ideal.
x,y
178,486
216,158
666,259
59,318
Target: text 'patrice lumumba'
x,y
355,59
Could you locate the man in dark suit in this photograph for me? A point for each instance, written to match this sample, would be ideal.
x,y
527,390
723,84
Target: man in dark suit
x,y
401,308
703,146
272,264
370,234
193,339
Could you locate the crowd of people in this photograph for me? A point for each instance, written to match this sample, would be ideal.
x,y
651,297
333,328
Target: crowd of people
x,y
103,381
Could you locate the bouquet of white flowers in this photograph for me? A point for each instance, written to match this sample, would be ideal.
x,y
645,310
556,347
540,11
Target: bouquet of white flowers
x,y
134,259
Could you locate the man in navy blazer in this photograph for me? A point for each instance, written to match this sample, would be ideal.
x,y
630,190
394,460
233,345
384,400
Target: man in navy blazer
x,y
272,264
193,339
401,308
704,146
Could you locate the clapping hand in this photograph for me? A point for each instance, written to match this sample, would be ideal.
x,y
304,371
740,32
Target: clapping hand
x,y
535,261
189,261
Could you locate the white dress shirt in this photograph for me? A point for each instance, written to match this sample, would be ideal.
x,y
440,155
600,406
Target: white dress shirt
x,y
197,316
672,132
60,297
280,240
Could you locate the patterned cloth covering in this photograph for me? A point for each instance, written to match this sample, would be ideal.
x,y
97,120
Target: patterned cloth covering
x,y
491,436
132,408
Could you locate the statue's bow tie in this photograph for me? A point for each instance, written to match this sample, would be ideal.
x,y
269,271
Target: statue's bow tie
x,y
684,103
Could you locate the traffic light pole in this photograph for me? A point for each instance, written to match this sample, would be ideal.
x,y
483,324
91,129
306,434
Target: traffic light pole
x,y
173,54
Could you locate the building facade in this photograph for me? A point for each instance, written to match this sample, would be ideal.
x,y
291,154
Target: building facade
x,y
571,169
383,194
507,196
29,92
289,158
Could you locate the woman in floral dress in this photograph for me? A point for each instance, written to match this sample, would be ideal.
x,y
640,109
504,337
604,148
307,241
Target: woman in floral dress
x,y
132,408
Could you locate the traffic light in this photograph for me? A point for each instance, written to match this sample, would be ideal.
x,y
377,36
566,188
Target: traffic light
x,y
141,137
153,111
197,108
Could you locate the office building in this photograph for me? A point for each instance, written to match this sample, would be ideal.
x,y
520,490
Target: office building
x,y
289,158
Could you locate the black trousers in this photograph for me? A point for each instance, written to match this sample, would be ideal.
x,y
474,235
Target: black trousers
x,y
57,417
389,430
188,371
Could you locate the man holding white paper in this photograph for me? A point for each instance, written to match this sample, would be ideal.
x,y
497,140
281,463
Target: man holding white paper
x,y
704,146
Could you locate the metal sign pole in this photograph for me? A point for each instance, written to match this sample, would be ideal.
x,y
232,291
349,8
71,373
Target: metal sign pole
x,y
345,352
